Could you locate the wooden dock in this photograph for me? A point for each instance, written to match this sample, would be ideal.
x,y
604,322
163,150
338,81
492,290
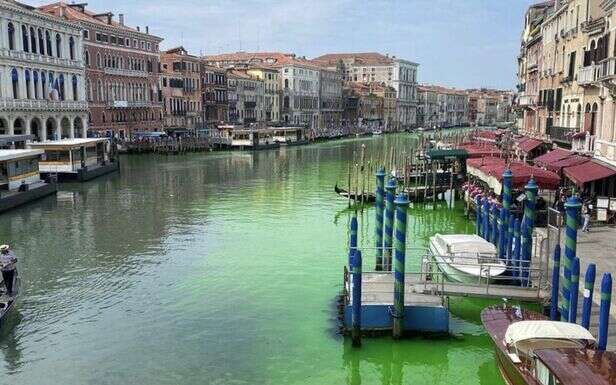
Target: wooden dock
x,y
377,288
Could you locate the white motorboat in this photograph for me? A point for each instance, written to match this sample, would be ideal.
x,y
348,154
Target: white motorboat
x,y
466,258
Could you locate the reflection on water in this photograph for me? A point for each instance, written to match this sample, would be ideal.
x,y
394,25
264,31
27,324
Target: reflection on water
x,y
212,268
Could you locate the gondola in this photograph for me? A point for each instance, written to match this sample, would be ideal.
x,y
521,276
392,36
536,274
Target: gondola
x,y
7,301
365,197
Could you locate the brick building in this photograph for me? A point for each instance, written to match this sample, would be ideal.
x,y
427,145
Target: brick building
x,y
214,92
122,71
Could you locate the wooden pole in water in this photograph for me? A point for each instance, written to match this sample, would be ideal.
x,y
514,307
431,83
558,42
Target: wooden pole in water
x,y
349,186
434,165
363,172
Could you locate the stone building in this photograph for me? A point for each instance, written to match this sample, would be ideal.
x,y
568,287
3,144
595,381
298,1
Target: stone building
x,y
246,95
374,67
300,92
181,89
330,98
214,95
442,107
245,60
271,82
122,71
42,77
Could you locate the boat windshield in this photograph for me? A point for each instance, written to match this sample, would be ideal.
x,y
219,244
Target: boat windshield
x,y
525,348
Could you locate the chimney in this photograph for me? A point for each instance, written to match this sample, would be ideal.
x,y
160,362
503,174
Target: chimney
x,y
109,18
147,30
138,29
61,11
121,16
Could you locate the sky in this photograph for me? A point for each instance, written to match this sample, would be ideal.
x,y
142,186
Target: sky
x,y
458,43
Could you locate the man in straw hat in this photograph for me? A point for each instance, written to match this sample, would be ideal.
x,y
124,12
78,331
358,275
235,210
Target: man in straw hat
x,y
7,266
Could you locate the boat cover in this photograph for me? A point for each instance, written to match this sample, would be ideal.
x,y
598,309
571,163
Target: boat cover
x,y
465,243
527,330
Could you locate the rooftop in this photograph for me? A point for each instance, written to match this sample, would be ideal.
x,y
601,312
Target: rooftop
x,y
68,142
16,154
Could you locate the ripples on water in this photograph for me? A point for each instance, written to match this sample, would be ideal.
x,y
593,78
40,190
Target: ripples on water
x,y
212,268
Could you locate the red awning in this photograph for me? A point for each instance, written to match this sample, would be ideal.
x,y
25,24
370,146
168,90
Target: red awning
x,y
522,172
588,172
528,145
479,150
571,160
551,157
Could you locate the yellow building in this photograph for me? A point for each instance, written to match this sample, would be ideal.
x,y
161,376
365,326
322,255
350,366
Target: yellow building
x,y
271,80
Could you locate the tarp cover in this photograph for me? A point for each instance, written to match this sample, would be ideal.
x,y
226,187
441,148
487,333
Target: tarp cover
x,y
478,150
490,170
552,156
526,330
588,172
526,145
571,160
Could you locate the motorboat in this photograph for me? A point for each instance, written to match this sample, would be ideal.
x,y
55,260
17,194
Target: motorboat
x,y
466,258
532,350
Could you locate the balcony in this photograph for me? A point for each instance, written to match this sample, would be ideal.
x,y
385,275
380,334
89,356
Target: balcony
x,y
527,100
607,69
250,104
41,59
593,26
125,72
46,105
588,75
562,135
127,104
583,142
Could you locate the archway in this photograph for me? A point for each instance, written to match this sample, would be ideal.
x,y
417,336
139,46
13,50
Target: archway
x,y
65,124
35,129
50,129
78,127
4,126
19,126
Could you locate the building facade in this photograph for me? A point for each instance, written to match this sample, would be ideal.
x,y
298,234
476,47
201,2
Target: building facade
x,y
330,98
42,75
246,95
215,99
181,88
122,72
300,93
271,83
442,107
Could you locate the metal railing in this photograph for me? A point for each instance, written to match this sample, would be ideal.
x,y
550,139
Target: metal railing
x,y
43,104
560,134
125,72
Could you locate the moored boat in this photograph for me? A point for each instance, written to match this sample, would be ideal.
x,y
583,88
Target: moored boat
x,y
466,258
7,298
532,350
365,197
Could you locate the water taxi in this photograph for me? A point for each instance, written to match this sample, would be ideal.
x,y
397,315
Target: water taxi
x,y
466,258
532,350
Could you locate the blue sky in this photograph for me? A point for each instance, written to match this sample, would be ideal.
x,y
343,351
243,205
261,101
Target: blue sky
x,y
461,43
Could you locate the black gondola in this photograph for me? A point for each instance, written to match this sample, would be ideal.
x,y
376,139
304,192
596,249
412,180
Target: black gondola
x,y
365,197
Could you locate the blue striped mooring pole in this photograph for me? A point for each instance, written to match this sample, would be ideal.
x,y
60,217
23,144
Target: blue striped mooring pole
x,y
507,182
529,224
390,194
555,283
589,287
510,239
402,204
517,235
572,210
574,290
485,209
356,298
494,229
380,206
502,233
478,215
604,309
352,240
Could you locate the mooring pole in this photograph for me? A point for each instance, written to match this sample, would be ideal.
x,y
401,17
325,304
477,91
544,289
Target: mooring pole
x,y
589,287
356,295
555,283
604,310
380,205
352,240
390,194
517,235
572,210
510,240
507,182
529,215
494,230
402,204
502,233
486,219
574,290
478,215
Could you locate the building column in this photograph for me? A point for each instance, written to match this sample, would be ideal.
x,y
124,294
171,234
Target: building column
x,y
84,124
71,131
21,74
27,122
11,122
608,120
599,122
58,134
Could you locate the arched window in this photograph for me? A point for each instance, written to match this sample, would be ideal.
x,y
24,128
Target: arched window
x,y
61,92
71,48
149,65
43,85
58,45
28,80
32,40
41,42
98,60
74,82
87,58
24,37
15,82
48,43
11,30
35,76
52,86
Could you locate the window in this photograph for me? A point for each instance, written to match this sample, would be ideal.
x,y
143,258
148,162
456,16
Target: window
x,y
86,34
32,40
99,63
11,31
15,82
36,79
113,40
24,36
27,73
149,46
60,87
41,42
74,82
87,58
99,36
58,45
71,48
48,43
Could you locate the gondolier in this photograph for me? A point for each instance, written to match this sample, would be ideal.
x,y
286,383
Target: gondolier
x,y
8,264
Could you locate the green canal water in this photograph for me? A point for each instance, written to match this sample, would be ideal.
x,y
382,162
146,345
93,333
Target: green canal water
x,y
217,268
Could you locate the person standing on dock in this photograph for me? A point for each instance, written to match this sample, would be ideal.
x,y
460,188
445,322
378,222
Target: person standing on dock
x,y
7,266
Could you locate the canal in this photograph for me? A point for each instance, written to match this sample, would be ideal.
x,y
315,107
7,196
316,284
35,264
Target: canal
x,y
217,268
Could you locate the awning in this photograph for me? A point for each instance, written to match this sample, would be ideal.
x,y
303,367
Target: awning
x,y
440,154
480,150
588,172
552,156
571,160
490,170
528,144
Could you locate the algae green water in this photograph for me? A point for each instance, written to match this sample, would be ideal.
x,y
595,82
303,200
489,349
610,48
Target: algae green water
x,y
217,268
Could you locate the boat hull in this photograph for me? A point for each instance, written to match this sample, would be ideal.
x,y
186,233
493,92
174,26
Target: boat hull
x,y
453,274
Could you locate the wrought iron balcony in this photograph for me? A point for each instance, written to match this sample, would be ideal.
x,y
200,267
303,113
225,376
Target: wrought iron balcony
x,y
125,72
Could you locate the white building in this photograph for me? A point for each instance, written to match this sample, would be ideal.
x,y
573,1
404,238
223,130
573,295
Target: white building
x,y
330,98
374,67
300,93
42,78
246,98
